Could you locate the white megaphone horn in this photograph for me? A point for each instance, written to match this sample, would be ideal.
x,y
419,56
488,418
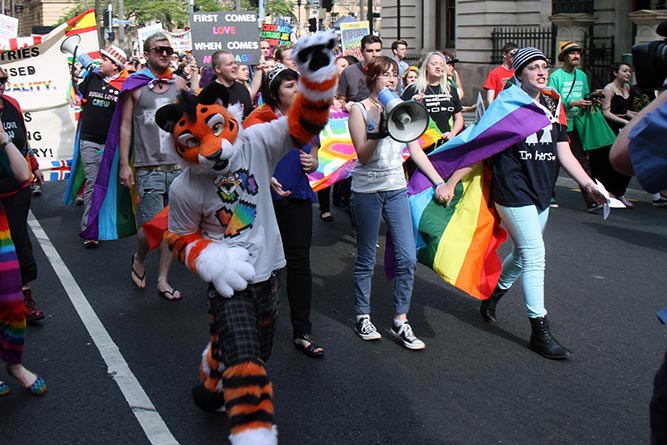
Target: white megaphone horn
x,y
71,45
406,121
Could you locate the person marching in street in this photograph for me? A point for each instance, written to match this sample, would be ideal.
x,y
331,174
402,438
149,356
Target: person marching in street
x,y
293,204
155,161
227,73
432,88
379,190
100,91
572,85
521,191
15,196
14,167
498,77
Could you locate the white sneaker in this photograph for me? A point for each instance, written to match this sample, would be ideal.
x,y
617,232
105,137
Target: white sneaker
x,y
366,330
404,334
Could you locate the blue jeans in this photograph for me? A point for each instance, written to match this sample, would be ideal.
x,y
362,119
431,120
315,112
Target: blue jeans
x,y
525,226
153,190
394,208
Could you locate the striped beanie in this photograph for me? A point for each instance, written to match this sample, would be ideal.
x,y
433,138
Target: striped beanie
x,y
524,56
116,55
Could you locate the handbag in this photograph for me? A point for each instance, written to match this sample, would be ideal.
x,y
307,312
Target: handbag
x,y
593,129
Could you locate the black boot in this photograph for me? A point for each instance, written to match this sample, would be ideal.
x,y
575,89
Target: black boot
x,y
542,342
488,308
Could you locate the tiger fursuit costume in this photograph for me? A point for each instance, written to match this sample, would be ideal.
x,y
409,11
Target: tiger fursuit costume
x,y
223,228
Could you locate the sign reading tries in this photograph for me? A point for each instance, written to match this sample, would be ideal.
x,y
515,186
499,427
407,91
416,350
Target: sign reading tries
x,y
232,31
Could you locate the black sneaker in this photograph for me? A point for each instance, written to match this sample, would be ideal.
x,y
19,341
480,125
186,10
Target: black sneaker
x,y
36,190
553,203
660,202
366,330
404,334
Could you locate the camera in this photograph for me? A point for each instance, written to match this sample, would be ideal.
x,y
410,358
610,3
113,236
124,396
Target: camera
x,y
650,61
594,96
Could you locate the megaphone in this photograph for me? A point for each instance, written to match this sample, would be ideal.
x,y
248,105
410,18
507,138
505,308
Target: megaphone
x,y
406,121
70,46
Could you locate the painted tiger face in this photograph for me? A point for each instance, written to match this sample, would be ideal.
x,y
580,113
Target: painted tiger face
x,y
204,130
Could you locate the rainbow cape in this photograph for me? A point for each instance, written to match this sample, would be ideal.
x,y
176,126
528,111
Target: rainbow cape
x,y
77,176
459,241
113,206
337,156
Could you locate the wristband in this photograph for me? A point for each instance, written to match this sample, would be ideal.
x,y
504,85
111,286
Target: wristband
x,y
4,144
438,184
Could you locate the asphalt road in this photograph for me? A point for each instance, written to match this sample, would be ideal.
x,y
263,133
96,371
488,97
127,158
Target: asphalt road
x,y
473,384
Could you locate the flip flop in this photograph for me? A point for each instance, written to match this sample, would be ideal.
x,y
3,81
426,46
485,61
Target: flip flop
x,y
141,278
169,294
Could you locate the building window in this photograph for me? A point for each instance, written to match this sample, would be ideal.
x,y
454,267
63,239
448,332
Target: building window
x,y
572,6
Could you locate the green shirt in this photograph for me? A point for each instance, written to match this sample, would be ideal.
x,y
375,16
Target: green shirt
x,y
561,81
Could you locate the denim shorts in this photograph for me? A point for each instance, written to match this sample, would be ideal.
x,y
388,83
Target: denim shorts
x,y
153,190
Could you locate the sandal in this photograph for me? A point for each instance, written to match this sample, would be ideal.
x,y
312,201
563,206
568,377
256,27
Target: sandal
x,y
306,344
169,295
141,278
4,389
326,216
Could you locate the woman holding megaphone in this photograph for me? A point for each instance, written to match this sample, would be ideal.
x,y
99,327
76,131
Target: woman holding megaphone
x,y
379,189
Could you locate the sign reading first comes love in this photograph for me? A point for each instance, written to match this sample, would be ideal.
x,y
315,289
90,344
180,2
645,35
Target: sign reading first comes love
x,y
232,31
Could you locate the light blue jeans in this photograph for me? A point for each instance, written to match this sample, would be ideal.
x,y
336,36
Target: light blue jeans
x,y
394,208
526,227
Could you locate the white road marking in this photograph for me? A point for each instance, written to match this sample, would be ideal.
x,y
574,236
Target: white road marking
x,y
142,407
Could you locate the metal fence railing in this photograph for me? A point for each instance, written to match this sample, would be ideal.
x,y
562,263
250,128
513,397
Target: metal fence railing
x,y
537,37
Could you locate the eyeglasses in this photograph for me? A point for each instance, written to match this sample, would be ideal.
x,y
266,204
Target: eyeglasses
x,y
162,49
389,76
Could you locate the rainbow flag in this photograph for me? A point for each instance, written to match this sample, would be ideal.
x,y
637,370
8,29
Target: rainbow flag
x,y
12,315
459,241
337,156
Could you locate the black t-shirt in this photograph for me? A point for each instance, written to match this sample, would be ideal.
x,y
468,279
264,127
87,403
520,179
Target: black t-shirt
x,y
525,174
100,100
15,128
441,105
238,93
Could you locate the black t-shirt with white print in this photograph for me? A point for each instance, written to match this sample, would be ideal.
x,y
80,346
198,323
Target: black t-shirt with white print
x,y
440,104
525,174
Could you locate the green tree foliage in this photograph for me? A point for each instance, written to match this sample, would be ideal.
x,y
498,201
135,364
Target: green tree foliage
x,y
174,14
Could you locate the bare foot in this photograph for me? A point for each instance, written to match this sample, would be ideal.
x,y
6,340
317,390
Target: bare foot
x,y
168,292
138,273
24,377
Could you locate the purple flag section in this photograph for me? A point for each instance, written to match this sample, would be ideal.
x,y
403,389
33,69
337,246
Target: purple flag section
x,y
102,220
511,118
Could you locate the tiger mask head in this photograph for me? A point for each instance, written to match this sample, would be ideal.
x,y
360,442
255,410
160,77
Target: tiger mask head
x,y
204,129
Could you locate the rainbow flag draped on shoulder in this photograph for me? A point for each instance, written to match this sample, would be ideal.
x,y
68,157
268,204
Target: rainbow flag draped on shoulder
x,y
459,241
113,206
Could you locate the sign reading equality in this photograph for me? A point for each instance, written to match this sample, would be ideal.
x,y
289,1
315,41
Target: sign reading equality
x,y
235,31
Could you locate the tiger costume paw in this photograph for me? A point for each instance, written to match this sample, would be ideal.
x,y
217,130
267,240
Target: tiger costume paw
x,y
227,268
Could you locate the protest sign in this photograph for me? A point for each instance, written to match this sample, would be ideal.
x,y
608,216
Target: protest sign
x,y
180,41
233,31
8,27
40,80
276,35
351,34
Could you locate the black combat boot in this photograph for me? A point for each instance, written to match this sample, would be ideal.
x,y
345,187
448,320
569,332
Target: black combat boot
x,y
542,342
488,308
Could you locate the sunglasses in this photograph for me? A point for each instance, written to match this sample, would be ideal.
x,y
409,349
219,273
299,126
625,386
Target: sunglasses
x,y
4,80
162,49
